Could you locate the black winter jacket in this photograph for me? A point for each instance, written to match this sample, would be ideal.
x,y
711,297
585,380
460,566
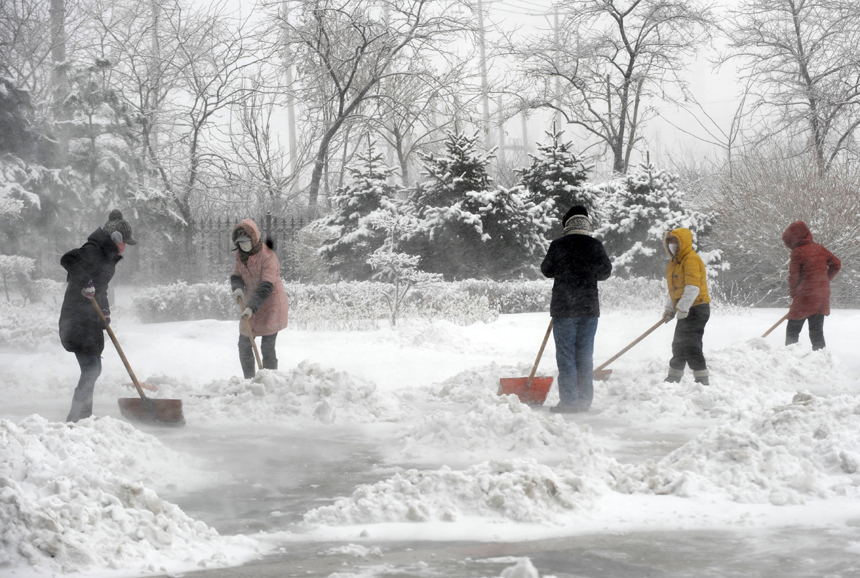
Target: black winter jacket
x,y
80,327
577,263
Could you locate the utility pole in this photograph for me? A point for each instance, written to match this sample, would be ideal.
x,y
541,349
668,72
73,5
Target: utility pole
x,y
155,78
485,99
291,109
524,119
501,154
556,30
59,77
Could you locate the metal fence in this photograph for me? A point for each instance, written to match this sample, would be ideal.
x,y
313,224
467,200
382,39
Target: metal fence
x,y
159,259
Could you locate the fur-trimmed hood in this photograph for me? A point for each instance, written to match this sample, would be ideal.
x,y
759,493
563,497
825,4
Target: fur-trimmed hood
x,y
684,238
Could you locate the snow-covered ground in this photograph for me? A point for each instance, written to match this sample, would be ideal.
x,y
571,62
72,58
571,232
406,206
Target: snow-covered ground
x,y
364,440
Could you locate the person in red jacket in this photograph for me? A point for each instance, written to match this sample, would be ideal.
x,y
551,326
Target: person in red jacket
x,y
810,272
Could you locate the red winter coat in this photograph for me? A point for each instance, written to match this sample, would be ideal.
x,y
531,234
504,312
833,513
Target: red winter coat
x,y
809,274
261,266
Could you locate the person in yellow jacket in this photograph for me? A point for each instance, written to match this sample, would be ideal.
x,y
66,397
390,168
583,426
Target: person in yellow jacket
x,y
688,300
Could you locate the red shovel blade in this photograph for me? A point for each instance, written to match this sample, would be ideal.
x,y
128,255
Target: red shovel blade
x,y
534,395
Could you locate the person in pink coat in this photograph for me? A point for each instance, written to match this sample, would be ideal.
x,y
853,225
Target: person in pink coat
x,y
256,284
810,272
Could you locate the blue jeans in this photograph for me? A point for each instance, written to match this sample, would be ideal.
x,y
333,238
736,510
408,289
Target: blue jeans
x,y
574,355
82,401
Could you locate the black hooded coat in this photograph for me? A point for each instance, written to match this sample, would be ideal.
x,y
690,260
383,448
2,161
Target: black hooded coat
x,y
81,329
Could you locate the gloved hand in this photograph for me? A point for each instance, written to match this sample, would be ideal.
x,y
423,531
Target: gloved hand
x,y
668,314
682,314
247,313
106,313
238,294
89,291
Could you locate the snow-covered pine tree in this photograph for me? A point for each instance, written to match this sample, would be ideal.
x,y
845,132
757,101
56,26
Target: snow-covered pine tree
x,y
557,175
637,210
467,228
352,240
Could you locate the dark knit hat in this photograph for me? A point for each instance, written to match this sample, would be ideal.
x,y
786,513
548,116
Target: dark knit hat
x,y
572,212
117,223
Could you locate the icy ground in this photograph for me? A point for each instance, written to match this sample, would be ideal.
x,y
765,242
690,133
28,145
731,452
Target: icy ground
x,y
389,453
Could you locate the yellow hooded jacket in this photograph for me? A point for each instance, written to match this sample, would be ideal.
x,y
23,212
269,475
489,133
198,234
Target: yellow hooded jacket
x,y
685,268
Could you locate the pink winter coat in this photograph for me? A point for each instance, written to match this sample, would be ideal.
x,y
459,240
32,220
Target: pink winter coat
x,y
262,266
810,272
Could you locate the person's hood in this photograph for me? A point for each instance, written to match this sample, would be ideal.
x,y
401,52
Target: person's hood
x,y
250,228
797,234
684,238
101,238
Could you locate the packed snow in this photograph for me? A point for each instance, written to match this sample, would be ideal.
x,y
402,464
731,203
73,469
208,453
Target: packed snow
x,y
78,496
778,430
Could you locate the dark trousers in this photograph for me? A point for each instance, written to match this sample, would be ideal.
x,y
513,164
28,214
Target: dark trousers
x,y
574,355
267,351
82,401
687,343
816,331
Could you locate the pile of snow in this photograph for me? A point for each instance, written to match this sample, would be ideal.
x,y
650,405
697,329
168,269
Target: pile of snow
x,y
809,448
519,490
752,376
75,497
495,427
356,550
305,392
522,569
482,384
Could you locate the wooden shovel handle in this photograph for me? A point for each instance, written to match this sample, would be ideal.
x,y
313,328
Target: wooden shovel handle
x,y
118,348
626,349
540,353
775,325
251,334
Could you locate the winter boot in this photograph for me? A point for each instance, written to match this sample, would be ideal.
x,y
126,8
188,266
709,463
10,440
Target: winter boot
x,y
246,357
675,375
701,376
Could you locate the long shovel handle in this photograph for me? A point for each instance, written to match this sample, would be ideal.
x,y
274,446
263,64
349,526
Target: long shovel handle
x,y
118,348
540,353
775,325
629,347
251,335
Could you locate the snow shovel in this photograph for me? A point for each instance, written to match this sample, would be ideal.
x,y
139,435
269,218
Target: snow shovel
x,y
145,409
602,374
251,335
775,325
531,390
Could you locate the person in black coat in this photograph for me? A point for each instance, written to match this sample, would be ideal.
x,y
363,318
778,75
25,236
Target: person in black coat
x,y
89,270
576,262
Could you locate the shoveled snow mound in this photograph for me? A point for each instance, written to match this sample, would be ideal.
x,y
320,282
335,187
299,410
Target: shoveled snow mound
x,y
74,497
482,383
307,391
519,490
752,376
807,449
496,427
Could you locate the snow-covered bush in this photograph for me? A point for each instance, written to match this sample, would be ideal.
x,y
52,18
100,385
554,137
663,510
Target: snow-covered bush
x,y
360,305
27,327
467,227
557,175
183,302
762,196
353,239
636,211
12,267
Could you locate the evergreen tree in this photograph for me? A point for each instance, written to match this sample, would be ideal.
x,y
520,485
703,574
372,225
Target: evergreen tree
x,y
557,175
465,227
353,238
637,210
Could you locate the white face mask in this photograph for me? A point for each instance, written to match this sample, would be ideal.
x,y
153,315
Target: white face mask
x,y
673,248
245,246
